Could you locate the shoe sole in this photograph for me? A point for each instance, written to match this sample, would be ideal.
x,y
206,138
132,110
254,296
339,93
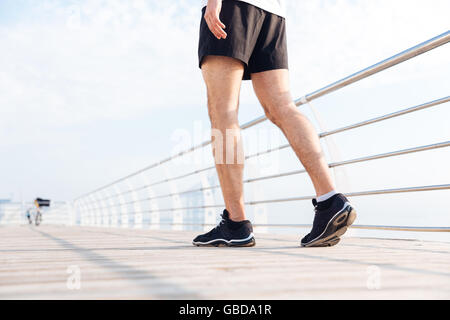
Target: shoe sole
x,y
221,243
335,228
330,243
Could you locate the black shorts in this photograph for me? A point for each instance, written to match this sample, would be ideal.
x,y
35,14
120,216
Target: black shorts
x,y
254,36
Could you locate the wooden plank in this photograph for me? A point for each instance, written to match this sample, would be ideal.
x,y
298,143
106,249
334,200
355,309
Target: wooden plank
x,y
144,264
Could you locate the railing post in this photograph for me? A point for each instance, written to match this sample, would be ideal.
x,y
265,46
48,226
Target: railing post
x,y
79,207
114,220
137,210
70,213
104,221
90,211
260,210
75,212
154,212
97,209
208,200
85,212
123,208
177,215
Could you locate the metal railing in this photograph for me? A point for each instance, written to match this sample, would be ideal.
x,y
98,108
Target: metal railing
x,y
15,213
104,206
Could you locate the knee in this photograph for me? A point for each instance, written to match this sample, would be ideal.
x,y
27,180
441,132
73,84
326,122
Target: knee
x,y
222,116
278,113
272,117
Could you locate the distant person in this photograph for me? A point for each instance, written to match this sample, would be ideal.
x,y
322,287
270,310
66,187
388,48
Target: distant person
x,y
30,221
246,40
39,203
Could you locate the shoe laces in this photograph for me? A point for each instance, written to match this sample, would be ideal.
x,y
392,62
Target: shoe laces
x,y
222,221
316,213
314,202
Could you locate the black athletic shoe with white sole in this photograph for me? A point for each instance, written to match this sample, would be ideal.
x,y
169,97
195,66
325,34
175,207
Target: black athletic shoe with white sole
x,y
331,221
227,233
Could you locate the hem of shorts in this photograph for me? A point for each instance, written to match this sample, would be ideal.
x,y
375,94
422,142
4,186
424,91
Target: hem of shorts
x,y
264,69
234,55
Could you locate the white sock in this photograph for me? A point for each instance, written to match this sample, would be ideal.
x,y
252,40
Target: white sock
x,y
325,197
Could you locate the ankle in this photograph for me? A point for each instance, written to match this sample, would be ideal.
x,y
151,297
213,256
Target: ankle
x,y
236,214
326,196
238,219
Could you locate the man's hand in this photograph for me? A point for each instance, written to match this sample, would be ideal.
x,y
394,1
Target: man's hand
x,y
212,18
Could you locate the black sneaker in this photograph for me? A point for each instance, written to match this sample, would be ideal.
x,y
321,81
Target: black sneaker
x,y
331,221
228,233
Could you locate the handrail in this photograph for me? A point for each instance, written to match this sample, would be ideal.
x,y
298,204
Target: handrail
x,y
361,159
295,172
366,122
367,72
292,199
284,146
362,193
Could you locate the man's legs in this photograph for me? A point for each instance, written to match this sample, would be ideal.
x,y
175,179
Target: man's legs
x,y
272,89
223,77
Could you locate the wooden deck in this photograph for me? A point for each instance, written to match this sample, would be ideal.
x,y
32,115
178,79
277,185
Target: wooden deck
x,y
36,263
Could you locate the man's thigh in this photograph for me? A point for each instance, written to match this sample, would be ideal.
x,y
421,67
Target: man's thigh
x,y
272,87
223,78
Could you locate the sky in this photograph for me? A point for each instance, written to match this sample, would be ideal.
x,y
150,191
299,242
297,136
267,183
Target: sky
x,y
92,90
